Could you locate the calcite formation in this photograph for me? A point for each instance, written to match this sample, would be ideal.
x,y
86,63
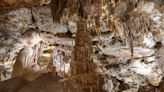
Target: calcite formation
x,y
127,39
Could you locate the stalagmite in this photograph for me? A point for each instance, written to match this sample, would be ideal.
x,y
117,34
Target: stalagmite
x,y
83,68
26,63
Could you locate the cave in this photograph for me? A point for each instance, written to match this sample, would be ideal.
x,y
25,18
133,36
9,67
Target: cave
x,y
81,46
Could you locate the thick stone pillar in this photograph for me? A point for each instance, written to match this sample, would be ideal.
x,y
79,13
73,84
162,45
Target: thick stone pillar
x,y
83,68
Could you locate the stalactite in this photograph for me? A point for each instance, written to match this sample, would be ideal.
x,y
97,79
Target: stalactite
x,y
58,8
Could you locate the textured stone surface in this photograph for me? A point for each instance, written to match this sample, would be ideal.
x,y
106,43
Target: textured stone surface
x,y
121,35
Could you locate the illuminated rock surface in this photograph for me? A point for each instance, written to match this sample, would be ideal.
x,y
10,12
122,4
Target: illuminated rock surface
x,y
127,39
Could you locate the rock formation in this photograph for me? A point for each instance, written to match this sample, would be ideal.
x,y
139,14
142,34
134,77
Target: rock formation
x,y
117,43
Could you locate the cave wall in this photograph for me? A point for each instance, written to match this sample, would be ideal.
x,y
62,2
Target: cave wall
x,y
128,49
